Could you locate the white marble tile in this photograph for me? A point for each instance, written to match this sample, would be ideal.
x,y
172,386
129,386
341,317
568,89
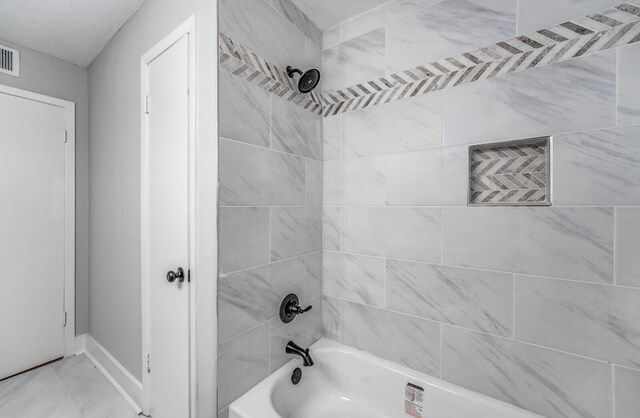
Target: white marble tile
x,y
539,14
95,397
242,363
313,282
358,60
331,229
243,238
244,110
331,37
406,340
405,233
627,246
448,28
628,85
626,389
353,277
436,177
295,231
331,318
72,365
550,383
332,138
380,16
597,168
571,243
473,299
305,330
601,322
313,180
289,10
250,297
35,394
358,182
255,176
404,125
570,96
295,130
258,26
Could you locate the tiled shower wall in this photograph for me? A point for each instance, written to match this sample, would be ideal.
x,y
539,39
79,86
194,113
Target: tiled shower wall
x,y
270,200
539,307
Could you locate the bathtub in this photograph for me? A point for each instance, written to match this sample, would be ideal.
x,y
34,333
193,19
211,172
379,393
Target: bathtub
x,y
348,383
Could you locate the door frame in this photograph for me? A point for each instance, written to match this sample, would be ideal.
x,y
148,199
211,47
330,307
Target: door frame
x,y
69,295
187,28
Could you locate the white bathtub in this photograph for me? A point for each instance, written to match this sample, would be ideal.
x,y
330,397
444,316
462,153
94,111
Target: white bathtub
x,y
347,383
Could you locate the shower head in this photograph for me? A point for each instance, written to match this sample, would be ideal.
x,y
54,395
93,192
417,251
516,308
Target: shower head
x,y
308,80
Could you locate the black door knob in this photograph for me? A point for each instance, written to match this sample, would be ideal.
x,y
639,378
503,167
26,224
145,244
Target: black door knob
x,y
173,275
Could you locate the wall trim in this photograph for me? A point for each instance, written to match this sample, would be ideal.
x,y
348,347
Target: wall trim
x,y
123,381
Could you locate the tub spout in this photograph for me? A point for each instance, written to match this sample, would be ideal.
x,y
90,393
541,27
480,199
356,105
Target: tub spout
x,y
303,353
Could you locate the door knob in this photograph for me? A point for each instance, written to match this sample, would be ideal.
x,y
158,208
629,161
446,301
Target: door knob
x,y
173,275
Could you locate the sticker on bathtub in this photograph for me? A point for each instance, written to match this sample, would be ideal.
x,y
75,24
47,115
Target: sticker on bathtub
x,y
413,400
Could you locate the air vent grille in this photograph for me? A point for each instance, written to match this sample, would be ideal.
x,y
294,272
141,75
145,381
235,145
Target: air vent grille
x,y
9,61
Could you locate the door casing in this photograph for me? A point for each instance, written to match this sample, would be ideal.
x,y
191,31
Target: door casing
x,y
187,28
69,109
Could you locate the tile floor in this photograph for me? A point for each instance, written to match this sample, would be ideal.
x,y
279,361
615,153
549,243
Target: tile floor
x,y
70,388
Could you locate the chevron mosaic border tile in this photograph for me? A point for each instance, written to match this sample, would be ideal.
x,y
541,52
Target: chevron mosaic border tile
x,y
611,28
585,35
245,63
513,173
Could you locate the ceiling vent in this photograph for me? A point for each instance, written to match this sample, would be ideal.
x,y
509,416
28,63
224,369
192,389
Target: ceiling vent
x,y
9,61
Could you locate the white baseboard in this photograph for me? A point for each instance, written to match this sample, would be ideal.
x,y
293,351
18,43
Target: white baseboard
x,y
124,382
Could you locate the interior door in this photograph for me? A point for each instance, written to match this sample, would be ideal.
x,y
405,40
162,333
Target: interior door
x,y
168,180
32,195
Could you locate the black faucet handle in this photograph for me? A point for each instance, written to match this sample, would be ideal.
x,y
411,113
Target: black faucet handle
x,y
290,308
298,310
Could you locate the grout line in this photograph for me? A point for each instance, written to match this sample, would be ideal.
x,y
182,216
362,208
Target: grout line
x,y
270,121
616,214
387,22
267,264
613,390
65,388
269,348
384,283
617,88
434,149
508,339
533,276
513,307
441,338
340,320
517,14
441,236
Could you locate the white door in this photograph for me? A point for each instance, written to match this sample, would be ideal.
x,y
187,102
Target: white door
x,y
32,195
168,233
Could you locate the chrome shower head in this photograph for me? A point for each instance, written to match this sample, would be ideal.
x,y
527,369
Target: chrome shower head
x,y
308,80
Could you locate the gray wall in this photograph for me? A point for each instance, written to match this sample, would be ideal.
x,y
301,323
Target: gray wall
x,y
50,76
270,200
539,307
114,246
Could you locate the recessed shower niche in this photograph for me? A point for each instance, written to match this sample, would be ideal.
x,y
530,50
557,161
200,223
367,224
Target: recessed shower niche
x,y
511,173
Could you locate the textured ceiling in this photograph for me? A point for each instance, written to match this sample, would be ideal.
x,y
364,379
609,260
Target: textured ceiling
x,y
72,30
328,13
